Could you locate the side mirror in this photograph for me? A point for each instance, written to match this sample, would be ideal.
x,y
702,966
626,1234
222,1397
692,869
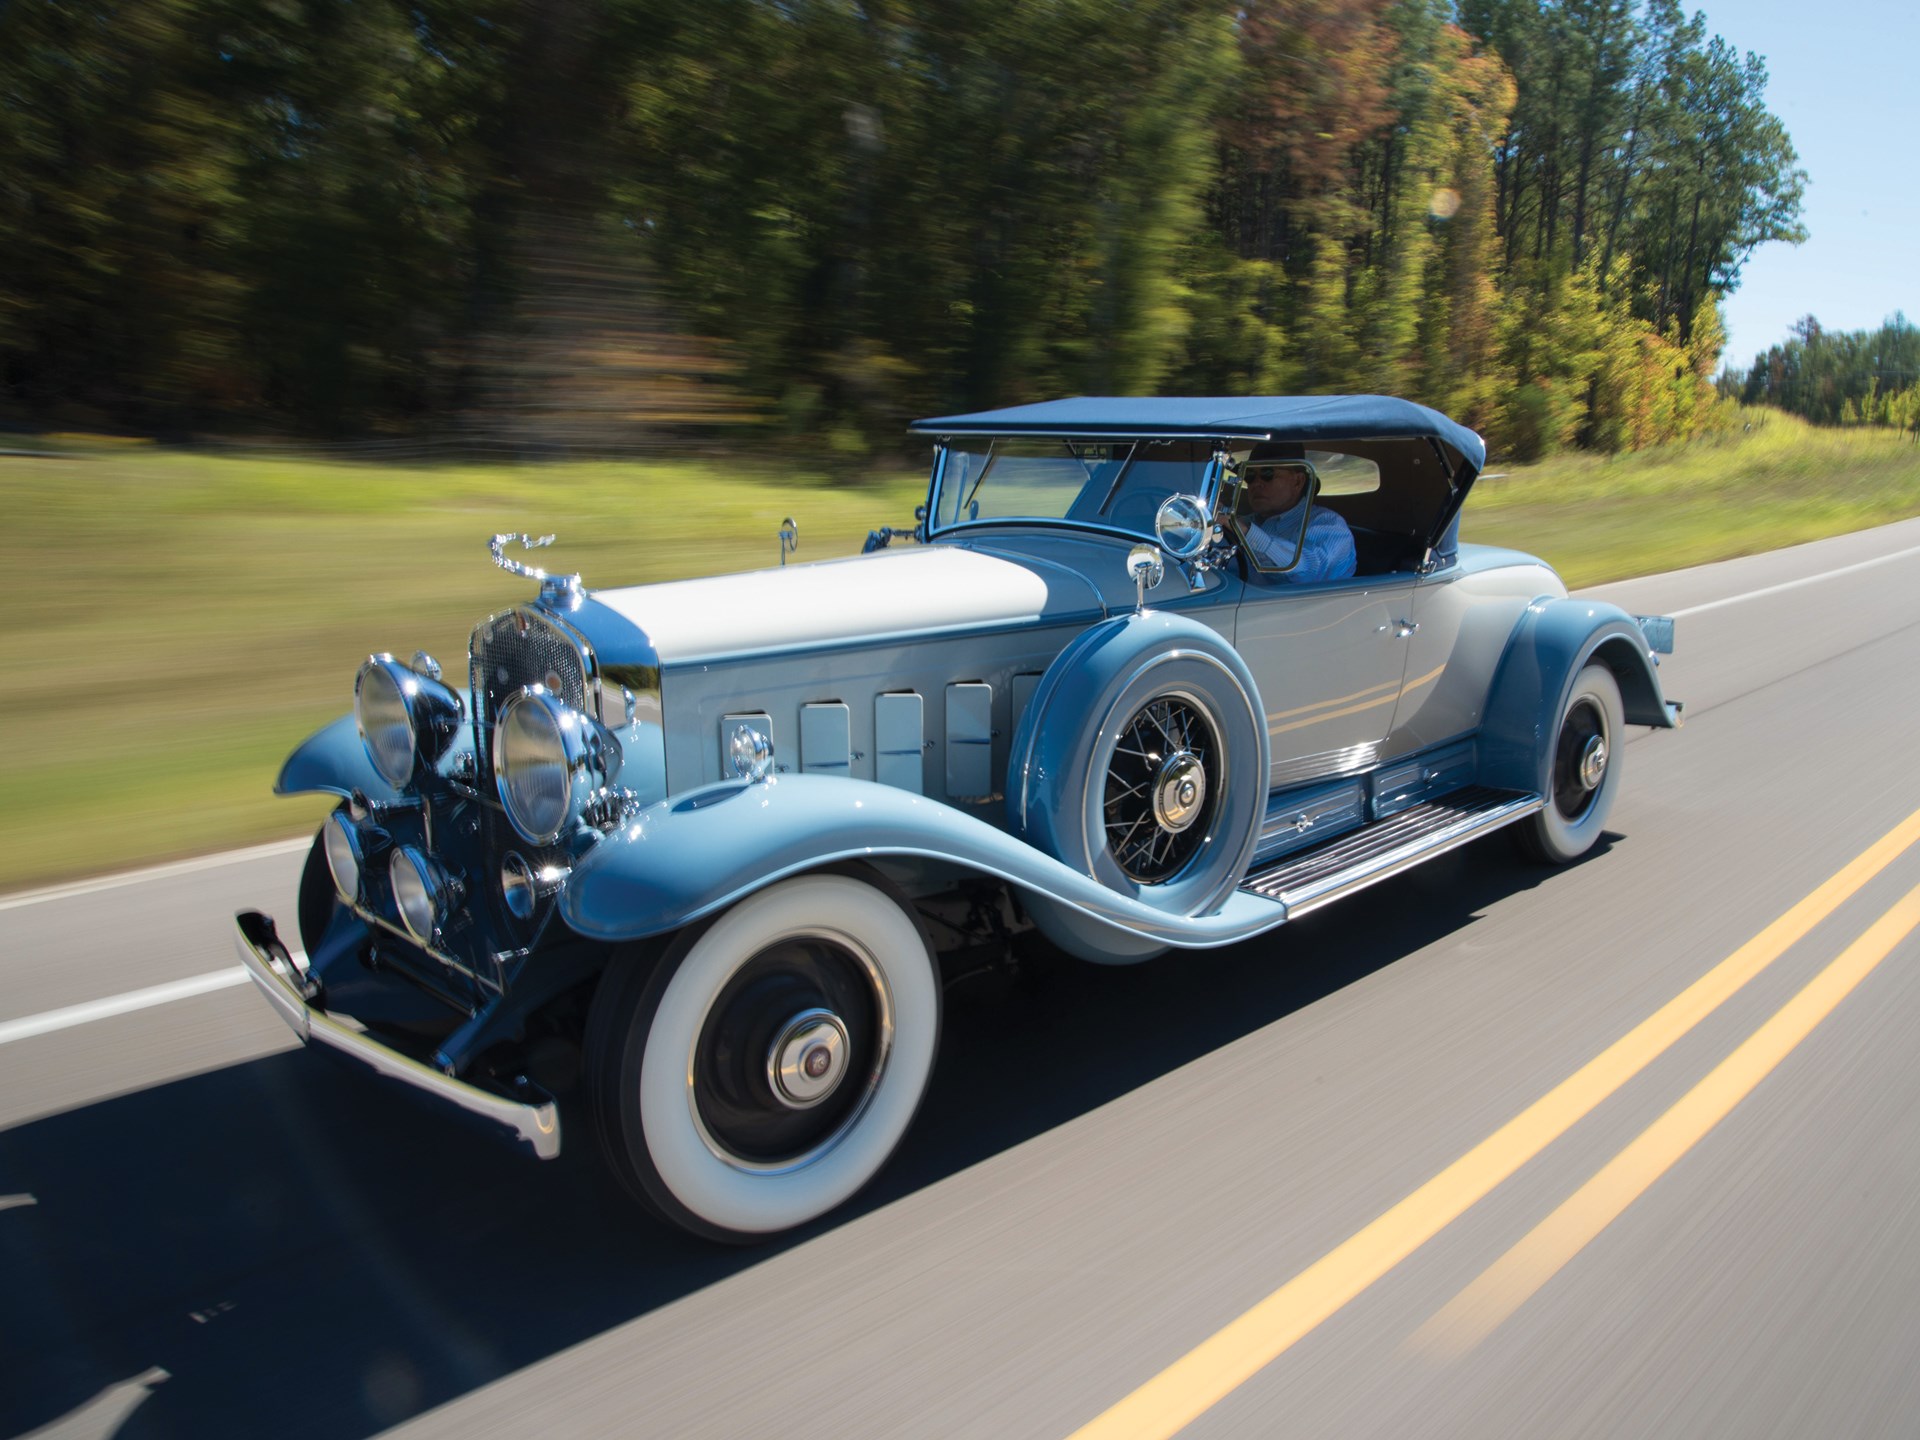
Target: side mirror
x,y
1183,526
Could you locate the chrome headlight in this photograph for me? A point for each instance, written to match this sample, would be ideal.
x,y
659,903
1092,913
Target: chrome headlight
x,y
342,844
548,759
402,714
421,892
1183,525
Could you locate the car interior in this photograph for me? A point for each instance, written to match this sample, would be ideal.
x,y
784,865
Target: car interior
x,y
1390,493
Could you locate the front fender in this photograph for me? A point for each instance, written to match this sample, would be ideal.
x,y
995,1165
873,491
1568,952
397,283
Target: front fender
x,y
688,857
1553,641
333,759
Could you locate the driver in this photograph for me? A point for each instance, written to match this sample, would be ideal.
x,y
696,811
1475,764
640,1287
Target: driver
x,y
1276,494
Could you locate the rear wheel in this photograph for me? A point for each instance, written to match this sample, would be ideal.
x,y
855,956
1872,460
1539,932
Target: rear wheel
x,y
1583,774
767,1066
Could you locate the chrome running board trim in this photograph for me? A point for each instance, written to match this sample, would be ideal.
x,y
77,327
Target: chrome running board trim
x,y
1304,881
275,970
1325,765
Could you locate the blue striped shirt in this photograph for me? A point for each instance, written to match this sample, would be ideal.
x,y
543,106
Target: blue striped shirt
x,y
1328,552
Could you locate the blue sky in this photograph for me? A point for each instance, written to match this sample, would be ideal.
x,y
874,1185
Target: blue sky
x,y
1843,79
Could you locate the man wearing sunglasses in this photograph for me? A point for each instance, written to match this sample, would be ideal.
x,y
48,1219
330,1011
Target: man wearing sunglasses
x,y
1285,531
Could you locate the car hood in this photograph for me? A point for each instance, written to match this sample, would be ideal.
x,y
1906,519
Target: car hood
x,y
887,595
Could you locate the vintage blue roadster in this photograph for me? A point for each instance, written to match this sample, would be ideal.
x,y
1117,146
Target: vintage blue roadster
x,y
693,854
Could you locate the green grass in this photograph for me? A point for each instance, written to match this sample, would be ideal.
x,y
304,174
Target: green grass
x,y
179,621
1736,492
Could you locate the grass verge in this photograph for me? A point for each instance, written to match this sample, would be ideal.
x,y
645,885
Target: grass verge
x,y
181,620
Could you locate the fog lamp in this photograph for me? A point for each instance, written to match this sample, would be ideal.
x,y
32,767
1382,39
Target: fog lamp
x,y
341,840
421,892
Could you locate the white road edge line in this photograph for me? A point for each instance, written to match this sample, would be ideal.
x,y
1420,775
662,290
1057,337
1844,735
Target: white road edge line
x,y
155,872
50,1020
1796,584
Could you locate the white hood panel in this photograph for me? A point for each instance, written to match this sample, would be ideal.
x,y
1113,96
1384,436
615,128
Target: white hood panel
x,y
868,597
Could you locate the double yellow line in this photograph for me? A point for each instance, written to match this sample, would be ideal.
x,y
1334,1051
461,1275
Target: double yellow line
x,y
1206,1374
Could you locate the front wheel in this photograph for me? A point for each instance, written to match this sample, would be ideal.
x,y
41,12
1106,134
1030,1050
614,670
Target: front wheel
x,y
766,1067
1583,774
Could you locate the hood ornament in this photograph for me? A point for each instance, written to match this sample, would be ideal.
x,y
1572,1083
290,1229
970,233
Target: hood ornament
x,y
562,592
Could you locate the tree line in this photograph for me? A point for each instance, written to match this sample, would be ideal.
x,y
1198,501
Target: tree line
x,y
1858,377
343,216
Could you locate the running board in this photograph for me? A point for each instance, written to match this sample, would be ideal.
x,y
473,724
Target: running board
x,y
1304,881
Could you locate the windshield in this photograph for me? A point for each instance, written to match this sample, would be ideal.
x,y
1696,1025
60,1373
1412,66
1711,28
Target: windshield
x,y
1117,485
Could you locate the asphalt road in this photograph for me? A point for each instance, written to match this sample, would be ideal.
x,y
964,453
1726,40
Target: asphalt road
x,y
1267,1160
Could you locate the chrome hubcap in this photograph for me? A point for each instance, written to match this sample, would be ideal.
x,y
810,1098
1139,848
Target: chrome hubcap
x,y
1179,792
808,1059
1580,758
1593,762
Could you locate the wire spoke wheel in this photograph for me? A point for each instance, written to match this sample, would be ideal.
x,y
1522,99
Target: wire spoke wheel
x,y
1162,786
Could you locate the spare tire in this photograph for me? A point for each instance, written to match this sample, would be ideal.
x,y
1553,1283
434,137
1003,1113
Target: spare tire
x,y
1142,762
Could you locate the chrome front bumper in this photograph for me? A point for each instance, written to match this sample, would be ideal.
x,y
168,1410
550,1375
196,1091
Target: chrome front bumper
x,y
274,970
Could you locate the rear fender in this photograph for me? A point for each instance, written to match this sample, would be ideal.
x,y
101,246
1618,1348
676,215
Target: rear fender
x,y
1553,641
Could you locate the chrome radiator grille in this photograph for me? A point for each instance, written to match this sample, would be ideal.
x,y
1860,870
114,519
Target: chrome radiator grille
x,y
519,648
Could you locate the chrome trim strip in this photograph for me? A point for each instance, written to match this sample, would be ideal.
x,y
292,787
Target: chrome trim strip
x,y
1327,762
269,964
1373,869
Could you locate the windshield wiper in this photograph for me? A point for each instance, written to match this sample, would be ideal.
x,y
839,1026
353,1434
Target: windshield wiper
x,y
1126,467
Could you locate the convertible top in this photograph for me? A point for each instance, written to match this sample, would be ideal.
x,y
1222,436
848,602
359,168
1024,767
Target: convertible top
x,y
1258,417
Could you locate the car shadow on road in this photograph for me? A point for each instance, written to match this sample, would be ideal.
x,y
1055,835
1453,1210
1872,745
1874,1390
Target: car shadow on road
x,y
305,1251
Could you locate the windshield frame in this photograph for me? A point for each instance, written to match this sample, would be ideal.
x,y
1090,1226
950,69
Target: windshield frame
x,y
1136,446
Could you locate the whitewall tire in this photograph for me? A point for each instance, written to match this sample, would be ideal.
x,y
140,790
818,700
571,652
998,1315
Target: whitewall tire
x,y
765,1068
1583,771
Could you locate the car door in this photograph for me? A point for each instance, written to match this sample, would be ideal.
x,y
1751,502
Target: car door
x,y
1329,660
